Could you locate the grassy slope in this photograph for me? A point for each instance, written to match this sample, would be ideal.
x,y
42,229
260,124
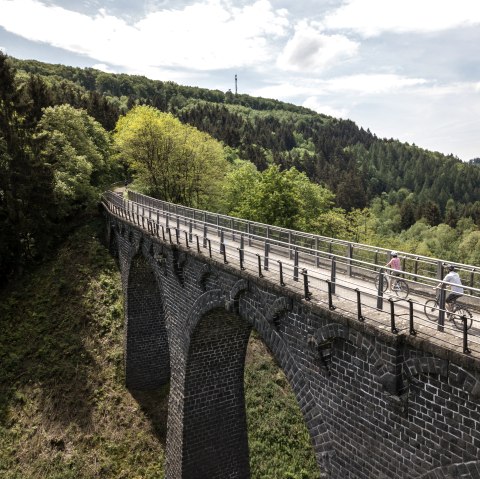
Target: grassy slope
x,y
64,411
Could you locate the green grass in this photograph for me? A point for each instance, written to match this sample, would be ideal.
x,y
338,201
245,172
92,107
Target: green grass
x,y
64,410
278,438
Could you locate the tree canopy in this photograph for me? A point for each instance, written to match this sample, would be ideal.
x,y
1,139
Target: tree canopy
x,y
77,149
172,161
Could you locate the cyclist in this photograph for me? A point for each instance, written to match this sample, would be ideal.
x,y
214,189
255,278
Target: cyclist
x,y
394,265
456,288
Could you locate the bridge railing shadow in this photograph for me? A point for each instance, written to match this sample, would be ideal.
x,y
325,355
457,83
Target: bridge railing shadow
x,y
341,281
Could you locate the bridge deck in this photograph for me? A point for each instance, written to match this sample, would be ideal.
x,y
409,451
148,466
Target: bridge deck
x,y
324,279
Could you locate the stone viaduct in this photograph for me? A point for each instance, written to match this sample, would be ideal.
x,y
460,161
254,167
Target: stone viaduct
x,y
376,404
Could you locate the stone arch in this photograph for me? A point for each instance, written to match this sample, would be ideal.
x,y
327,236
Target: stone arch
x,y
280,306
426,365
465,470
317,427
207,395
147,358
325,334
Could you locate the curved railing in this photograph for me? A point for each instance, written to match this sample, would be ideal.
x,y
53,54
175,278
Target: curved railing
x,y
339,274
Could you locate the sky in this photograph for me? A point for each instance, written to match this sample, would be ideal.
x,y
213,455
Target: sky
x,y
404,69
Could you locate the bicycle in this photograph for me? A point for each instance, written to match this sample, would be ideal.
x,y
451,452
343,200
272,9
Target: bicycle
x,y
399,285
456,315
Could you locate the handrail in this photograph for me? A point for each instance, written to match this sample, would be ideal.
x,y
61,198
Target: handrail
x,y
411,262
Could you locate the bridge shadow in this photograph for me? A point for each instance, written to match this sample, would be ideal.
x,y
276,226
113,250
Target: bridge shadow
x,y
154,405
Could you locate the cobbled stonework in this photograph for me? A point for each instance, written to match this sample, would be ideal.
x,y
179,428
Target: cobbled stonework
x,y
377,405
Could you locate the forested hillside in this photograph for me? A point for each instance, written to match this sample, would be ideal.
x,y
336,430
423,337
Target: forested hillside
x,y
60,125
330,151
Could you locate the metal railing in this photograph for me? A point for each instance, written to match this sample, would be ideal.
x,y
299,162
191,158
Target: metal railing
x,y
411,263
338,274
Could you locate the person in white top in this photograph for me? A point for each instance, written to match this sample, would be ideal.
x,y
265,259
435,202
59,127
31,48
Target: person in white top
x,y
395,265
456,288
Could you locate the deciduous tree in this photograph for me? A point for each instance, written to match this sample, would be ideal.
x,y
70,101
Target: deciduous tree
x,y
173,161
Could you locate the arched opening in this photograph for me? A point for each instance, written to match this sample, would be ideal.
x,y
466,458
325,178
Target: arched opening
x,y
147,361
279,442
240,416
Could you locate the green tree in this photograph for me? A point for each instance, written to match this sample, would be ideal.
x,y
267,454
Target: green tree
x,y
239,182
77,149
25,183
172,161
283,198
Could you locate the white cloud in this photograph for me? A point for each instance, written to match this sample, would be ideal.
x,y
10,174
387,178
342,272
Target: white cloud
x,y
203,36
372,17
316,104
311,50
358,85
368,84
102,67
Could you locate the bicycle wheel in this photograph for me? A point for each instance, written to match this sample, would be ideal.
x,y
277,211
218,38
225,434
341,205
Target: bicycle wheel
x,y
458,315
385,282
401,288
431,309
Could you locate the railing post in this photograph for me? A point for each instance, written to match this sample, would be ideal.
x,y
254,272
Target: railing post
x,y
471,280
439,270
260,275
307,293
222,241
190,230
267,252
169,235
415,268
349,261
295,265
359,306
330,295
186,240
410,311
225,255
280,266
209,248
240,254
333,275
441,309
198,244
392,316
205,232
465,336
381,279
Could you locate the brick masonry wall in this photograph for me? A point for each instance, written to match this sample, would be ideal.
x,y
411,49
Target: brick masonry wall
x,y
376,405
